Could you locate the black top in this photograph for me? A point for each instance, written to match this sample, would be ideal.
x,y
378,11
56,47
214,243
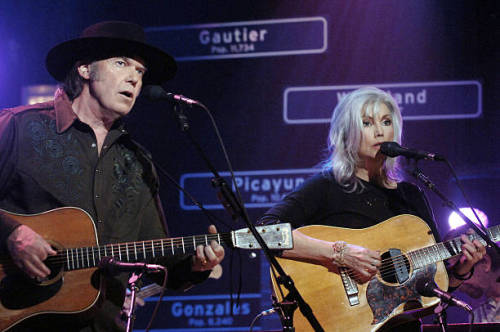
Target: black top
x,y
322,201
49,159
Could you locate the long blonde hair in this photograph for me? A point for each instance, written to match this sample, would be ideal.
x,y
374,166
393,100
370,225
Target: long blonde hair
x,y
344,138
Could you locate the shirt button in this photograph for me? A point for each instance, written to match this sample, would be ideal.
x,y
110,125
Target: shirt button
x,y
105,147
99,221
93,145
97,196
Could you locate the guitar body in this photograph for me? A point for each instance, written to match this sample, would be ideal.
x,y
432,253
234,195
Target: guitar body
x,y
73,285
380,301
68,291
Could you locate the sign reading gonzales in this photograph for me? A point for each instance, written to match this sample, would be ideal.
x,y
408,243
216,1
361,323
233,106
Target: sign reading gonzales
x,y
242,39
417,101
203,312
258,188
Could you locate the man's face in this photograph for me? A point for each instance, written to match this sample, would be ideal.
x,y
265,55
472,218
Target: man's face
x,y
115,83
481,280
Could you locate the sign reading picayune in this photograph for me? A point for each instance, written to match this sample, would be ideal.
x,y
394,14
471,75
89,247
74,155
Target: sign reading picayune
x,y
417,101
258,189
304,35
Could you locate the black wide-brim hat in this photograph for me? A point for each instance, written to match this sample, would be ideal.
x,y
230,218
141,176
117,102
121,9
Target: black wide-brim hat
x,y
108,39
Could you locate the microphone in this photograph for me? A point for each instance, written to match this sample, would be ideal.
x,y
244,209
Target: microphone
x,y
156,92
393,149
428,288
113,266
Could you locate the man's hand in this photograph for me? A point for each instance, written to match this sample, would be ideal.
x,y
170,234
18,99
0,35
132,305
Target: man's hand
x,y
207,257
28,251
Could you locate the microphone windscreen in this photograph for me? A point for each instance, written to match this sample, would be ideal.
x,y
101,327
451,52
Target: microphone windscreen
x,y
153,92
391,149
105,262
425,286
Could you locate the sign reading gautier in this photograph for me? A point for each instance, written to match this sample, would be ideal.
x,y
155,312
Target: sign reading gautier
x,y
305,35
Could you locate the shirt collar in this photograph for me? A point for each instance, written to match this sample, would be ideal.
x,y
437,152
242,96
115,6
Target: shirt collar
x,y
65,116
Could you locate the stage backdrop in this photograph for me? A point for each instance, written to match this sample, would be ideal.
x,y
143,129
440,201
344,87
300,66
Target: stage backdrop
x,y
271,73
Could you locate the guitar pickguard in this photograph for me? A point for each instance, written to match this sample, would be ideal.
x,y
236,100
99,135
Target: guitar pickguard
x,y
383,299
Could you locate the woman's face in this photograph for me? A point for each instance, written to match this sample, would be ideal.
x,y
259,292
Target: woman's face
x,y
376,130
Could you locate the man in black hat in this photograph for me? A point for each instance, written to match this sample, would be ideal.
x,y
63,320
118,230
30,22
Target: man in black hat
x,y
75,151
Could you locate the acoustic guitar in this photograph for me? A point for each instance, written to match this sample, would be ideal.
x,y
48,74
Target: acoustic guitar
x,y
71,286
409,252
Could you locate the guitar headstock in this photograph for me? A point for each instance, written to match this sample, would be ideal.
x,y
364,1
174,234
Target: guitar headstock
x,y
278,236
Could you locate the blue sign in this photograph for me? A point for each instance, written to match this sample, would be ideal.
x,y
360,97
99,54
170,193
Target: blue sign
x,y
304,35
417,101
259,189
204,312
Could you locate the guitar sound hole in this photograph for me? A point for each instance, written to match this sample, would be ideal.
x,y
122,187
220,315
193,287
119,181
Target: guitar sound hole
x,y
19,292
55,264
395,267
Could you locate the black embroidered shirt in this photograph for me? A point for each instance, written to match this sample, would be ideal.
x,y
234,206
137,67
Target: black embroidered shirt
x,y
49,159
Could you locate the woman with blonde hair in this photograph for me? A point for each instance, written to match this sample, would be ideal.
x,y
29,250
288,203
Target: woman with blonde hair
x,y
359,187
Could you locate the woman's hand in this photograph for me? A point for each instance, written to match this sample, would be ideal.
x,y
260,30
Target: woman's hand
x,y
472,252
363,262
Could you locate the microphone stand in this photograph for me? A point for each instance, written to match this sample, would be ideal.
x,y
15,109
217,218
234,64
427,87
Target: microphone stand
x,y
418,174
133,288
232,204
440,311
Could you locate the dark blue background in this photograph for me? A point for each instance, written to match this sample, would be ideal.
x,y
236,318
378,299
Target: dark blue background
x,y
368,42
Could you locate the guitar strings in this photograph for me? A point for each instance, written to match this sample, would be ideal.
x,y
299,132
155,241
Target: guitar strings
x,y
388,269
149,247
146,249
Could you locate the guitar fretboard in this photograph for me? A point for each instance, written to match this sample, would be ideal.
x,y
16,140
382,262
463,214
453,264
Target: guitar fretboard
x,y
86,257
441,251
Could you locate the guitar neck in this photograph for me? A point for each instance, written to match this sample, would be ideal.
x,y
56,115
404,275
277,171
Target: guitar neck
x,y
87,257
441,251
278,236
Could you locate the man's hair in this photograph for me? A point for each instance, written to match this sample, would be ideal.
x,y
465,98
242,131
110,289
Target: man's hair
x,y
344,139
73,83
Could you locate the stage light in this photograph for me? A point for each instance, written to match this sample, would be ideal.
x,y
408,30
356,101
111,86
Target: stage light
x,y
455,220
33,94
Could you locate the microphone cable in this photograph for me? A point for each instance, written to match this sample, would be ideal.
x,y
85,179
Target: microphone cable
x,y
467,200
157,305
